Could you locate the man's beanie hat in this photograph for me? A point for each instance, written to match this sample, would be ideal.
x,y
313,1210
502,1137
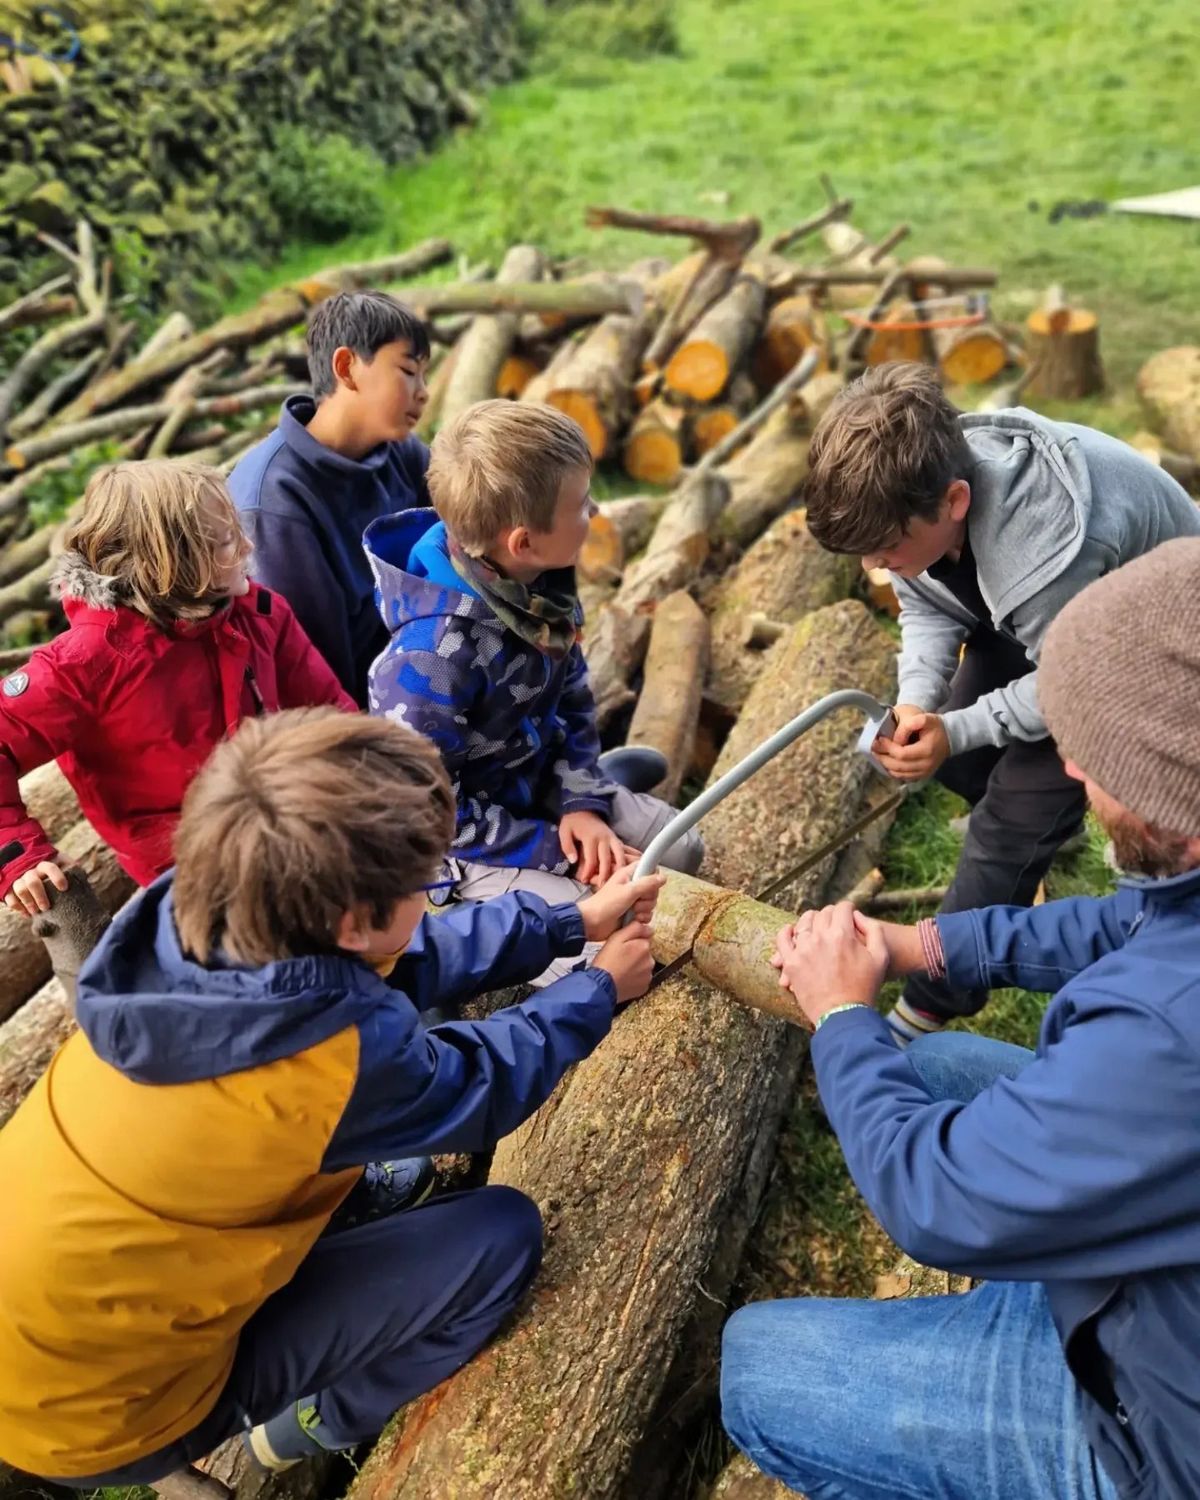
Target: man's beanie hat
x,y
1119,684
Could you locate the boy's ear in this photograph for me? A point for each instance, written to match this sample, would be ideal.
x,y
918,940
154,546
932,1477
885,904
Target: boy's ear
x,y
351,932
343,362
958,499
519,540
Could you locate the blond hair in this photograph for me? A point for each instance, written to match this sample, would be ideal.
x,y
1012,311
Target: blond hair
x,y
155,527
299,818
501,464
884,454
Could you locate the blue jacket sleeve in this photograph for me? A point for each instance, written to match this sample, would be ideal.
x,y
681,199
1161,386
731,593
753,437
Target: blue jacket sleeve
x,y
434,693
1072,1169
465,1085
289,558
485,945
1036,949
584,786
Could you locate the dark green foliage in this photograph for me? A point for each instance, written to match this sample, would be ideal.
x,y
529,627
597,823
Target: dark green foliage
x,y
165,132
323,186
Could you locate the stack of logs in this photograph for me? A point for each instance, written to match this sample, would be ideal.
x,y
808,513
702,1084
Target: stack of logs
x,y
659,364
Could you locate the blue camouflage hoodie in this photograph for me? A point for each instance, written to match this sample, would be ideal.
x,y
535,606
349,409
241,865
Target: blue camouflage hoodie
x,y
188,1144
1083,1172
517,731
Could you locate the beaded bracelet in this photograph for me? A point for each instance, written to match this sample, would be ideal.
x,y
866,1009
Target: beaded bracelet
x,y
837,1011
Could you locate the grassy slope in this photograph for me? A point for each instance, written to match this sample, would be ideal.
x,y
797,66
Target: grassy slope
x,y
955,116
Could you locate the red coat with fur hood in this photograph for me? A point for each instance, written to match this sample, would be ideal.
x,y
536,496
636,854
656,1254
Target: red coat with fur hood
x,y
131,710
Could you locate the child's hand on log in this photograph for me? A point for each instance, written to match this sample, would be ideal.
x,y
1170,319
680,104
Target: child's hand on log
x,y
591,846
826,961
602,912
28,895
626,956
918,747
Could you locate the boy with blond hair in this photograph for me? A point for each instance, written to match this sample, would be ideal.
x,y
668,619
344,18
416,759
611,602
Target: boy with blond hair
x,y
990,523
484,659
258,1012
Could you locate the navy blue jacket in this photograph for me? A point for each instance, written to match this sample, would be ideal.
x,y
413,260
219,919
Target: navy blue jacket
x,y
305,508
517,731
1082,1173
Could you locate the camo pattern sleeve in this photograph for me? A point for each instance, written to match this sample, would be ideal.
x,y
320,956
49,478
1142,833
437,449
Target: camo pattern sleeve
x,y
584,786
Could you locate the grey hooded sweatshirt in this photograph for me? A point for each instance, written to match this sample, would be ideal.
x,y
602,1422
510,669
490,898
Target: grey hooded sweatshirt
x,y
1053,506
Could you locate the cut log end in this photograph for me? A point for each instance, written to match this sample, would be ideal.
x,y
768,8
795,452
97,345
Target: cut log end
x,y
515,374
971,356
654,447
582,408
712,426
699,369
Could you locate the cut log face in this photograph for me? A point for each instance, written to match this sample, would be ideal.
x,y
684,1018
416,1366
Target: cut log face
x,y
515,374
602,558
668,709
708,357
783,576
593,386
24,962
1064,353
819,776
712,422
881,593
654,447
971,355
1169,385
636,1163
794,325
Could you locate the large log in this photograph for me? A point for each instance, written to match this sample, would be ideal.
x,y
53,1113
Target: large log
x,y
614,647
593,385
28,1040
714,350
488,342
1169,385
635,1162
766,475
839,646
783,576
325,1474
794,325
654,448
680,545
49,797
276,312
24,962
668,709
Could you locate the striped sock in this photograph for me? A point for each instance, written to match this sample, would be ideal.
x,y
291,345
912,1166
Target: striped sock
x,y
908,1023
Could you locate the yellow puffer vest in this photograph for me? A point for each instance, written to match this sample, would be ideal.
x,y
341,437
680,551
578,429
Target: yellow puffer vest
x,y
143,1225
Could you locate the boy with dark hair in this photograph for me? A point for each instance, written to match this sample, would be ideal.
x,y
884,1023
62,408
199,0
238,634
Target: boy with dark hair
x,y
485,657
337,461
257,1012
989,524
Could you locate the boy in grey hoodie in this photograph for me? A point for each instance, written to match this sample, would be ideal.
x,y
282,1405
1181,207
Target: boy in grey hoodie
x,y
989,525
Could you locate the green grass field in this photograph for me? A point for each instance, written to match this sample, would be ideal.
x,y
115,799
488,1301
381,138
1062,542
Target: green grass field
x,y
955,116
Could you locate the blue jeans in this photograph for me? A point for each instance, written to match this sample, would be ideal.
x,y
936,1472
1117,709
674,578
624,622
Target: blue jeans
x,y
962,1397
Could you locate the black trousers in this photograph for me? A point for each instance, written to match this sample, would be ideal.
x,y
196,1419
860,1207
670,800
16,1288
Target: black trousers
x,y
1023,807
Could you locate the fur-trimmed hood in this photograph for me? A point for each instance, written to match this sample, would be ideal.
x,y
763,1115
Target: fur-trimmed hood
x,y
75,578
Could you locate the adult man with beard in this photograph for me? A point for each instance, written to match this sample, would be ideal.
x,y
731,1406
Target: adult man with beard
x,y
1069,1177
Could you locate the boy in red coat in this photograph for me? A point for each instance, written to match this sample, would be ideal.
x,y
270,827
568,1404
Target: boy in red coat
x,y
170,647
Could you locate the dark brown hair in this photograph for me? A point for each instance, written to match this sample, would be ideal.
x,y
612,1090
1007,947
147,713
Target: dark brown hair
x,y
299,818
885,452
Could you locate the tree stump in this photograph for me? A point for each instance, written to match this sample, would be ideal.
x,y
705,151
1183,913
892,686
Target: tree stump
x,y
1064,354
1169,385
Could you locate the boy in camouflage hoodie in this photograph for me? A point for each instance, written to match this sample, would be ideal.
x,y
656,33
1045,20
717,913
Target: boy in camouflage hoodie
x,y
479,595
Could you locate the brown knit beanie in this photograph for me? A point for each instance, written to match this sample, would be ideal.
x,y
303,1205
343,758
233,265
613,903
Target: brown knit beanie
x,y
1119,685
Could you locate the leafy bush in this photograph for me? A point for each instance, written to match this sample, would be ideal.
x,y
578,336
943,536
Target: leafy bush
x,y
322,187
587,29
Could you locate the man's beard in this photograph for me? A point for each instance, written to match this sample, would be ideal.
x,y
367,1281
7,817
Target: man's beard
x,y
1142,849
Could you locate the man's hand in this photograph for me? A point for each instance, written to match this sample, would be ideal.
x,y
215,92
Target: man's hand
x,y
918,747
905,954
825,961
626,956
591,846
602,912
28,895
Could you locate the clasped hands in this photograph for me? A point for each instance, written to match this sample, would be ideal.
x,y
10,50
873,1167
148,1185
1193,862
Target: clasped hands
x,y
834,957
918,746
